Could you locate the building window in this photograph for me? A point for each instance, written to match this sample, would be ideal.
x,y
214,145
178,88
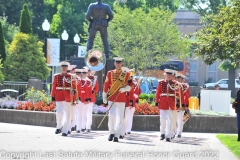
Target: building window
x,y
193,71
212,72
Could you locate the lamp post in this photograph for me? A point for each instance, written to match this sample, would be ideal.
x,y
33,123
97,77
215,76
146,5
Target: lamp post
x,y
45,27
76,40
64,38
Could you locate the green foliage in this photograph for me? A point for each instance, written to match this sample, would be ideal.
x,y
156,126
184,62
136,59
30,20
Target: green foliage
x,y
230,141
219,37
145,39
25,24
204,7
34,96
148,97
2,46
9,30
225,65
25,59
1,71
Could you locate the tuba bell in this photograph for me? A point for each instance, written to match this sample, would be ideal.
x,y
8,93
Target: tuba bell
x,y
95,60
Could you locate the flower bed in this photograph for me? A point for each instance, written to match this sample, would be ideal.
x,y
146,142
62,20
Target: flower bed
x,y
8,103
38,106
144,108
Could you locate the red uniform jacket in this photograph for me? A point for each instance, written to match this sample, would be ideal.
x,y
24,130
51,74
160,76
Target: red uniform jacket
x,y
165,95
95,89
85,90
61,87
112,76
132,98
186,94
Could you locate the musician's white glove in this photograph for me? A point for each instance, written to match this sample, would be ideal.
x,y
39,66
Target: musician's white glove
x,y
125,89
104,96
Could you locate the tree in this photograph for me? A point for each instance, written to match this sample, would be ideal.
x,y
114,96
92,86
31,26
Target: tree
x,y
25,59
2,46
25,21
219,39
144,39
204,7
9,30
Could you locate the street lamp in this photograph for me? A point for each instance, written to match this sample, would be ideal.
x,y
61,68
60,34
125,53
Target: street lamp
x,y
64,38
45,27
76,40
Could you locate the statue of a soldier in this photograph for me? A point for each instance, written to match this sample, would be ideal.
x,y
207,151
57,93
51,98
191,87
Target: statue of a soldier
x,y
99,14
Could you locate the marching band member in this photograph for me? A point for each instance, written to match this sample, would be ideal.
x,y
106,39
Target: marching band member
x,y
81,87
71,69
132,100
86,97
61,95
165,100
95,89
186,95
116,85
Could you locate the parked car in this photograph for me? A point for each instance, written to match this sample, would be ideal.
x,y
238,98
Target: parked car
x,y
148,85
223,83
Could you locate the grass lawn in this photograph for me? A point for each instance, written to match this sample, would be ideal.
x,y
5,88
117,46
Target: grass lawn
x,y
230,141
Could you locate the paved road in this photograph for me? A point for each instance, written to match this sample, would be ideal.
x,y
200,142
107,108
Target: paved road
x,y
34,142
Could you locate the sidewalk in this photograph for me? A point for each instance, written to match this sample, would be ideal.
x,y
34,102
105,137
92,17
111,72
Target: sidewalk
x,y
34,142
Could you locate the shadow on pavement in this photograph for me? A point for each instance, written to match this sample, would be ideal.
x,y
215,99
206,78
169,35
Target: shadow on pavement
x,y
189,140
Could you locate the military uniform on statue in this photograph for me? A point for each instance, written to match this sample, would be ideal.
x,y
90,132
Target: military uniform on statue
x,y
116,85
86,94
180,111
165,100
95,88
61,94
132,100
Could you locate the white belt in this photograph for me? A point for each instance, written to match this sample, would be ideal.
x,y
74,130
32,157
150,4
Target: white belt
x,y
165,94
82,91
63,88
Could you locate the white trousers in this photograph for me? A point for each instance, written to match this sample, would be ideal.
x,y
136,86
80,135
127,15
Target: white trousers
x,y
78,116
89,109
163,121
66,116
59,114
180,122
74,118
169,126
115,118
129,112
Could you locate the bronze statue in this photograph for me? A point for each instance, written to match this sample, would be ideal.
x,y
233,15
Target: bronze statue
x,y
98,15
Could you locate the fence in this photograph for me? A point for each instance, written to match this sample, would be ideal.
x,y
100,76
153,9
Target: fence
x,y
21,87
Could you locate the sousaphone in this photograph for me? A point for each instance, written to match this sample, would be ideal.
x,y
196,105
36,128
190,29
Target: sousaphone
x,y
95,60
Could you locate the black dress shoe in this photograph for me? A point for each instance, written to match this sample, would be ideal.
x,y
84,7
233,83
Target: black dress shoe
x,y
110,138
72,129
162,137
69,132
179,136
115,139
168,140
121,137
58,131
82,130
128,132
64,134
88,130
78,131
